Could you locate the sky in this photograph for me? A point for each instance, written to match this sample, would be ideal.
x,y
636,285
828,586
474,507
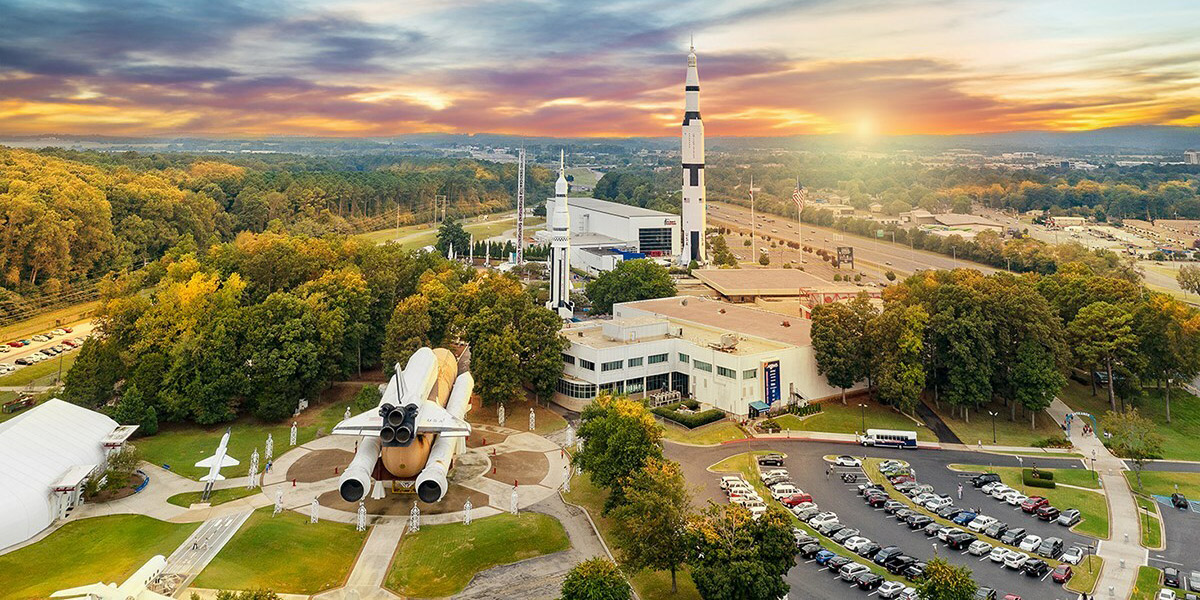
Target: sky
x,y
593,68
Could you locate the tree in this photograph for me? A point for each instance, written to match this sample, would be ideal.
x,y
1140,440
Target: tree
x,y
839,341
944,581
764,258
898,348
1103,336
495,363
619,437
451,233
1036,379
737,558
97,369
407,331
595,579
650,527
890,274
639,279
1169,335
1134,437
542,347
1189,278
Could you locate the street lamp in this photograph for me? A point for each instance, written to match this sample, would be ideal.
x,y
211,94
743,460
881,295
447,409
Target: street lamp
x,y
863,409
993,426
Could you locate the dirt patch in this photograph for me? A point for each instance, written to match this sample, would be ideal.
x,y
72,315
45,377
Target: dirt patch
x,y
109,495
522,467
401,504
319,465
479,439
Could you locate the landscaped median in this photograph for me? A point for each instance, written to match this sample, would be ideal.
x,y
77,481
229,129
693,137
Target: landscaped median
x,y
707,435
852,418
1085,575
1147,584
1092,506
221,496
1148,522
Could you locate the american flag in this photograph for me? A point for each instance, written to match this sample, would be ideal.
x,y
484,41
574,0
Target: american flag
x,y
799,196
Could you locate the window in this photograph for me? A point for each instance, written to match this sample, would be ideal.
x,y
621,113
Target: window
x,y
571,389
616,387
635,362
567,358
612,365
723,372
657,358
658,382
703,366
587,364
683,358
633,386
654,239
750,374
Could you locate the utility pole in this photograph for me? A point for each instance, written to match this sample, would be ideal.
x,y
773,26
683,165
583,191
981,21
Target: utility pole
x,y
521,207
753,224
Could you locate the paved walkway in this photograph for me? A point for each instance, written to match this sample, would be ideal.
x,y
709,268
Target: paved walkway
x,y
366,579
190,558
1124,543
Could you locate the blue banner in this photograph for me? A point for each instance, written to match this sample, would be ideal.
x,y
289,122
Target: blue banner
x,y
771,382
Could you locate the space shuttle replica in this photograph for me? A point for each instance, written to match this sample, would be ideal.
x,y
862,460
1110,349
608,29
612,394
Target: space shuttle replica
x,y
134,588
415,433
693,210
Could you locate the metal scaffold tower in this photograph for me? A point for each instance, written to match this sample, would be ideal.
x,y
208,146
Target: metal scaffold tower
x,y
521,207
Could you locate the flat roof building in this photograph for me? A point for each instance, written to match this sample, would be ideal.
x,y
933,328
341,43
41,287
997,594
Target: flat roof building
x,y
765,285
604,233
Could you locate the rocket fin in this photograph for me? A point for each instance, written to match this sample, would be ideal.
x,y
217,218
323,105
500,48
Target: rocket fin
x,y
217,477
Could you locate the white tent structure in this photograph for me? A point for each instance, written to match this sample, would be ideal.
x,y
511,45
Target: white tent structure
x,y
46,455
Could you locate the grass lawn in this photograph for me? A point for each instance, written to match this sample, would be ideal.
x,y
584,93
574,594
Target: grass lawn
x,y
43,373
1147,583
650,585
221,496
1008,433
516,416
412,237
583,176
284,553
1181,438
48,320
440,560
713,433
1092,506
835,418
1163,483
104,549
182,446
1086,573
1148,521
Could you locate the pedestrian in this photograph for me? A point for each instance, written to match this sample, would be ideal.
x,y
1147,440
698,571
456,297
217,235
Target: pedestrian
x,y
827,471
960,491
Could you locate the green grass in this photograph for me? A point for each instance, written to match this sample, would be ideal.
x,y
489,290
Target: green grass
x,y
713,433
412,237
43,373
284,553
440,560
182,446
1163,483
516,416
1039,454
1148,522
1008,433
649,585
583,176
221,496
1147,584
835,418
1092,506
1181,438
104,549
1086,574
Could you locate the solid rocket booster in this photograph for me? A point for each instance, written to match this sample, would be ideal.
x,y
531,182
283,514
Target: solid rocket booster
x,y
693,216
431,483
357,476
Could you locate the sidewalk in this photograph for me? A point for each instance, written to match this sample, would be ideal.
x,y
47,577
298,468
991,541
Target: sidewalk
x,y
1124,543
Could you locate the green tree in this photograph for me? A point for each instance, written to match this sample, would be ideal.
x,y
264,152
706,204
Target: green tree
x,y
595,579
542,347
898,348
407,331
764,258
283,342
1169,335
1133,437
736,559
1036,379
619,436
650,527
451,233
1189,278
1103,336
495,363
97,369
944,581
839,342
639,279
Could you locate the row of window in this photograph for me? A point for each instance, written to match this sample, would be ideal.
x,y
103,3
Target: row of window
x,y
617,365
584,391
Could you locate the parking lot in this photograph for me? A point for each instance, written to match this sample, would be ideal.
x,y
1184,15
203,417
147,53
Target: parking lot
x,y
805,463
11,354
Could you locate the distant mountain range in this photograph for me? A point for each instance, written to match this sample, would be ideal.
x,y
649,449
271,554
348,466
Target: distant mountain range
x,y
1149,139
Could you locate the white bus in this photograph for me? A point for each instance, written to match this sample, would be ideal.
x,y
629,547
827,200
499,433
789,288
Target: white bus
x,y
889,437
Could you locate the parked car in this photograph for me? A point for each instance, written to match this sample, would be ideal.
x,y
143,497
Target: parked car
x,y
843,534
886,554
998,554
1032,504
728,481
984,478
829,528
1062,573
1051,547
961,540
918,521
808,551
1179,501
980,523
991,485
854,543
963,518
933,528
796,499
822,519
868,580
1069,517
1193,581
996,530
945,533
784,490
1165,594
41,338
877,500
803,539
1035,567
1013,536
939,503
1016,499
868,550
836,563
915,572
999,491
771,460
822,556
985,593
851,570
903,514
1016,560
846,460
921,499
891,506
806,511
1048,513
979,548
1171,577
949,512
1073,555
896,565
889,590
1030,543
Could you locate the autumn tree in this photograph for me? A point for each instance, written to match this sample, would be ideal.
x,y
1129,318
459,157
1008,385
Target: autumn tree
x,y
1188,278
736,557
1133,437
650,527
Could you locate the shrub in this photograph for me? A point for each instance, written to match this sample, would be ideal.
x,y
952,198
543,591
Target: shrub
x,y
804,411
690,420
1052,442
769,426
1038,479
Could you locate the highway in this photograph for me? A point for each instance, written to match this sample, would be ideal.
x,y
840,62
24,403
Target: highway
x,y
879,253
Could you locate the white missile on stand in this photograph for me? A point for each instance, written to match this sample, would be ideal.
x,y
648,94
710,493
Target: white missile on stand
x,y
218,461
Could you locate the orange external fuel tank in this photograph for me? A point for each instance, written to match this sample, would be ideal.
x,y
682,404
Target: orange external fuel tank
x,y
405,462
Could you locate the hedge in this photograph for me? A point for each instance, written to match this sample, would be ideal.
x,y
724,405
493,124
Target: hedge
x,y
1038,479
690,420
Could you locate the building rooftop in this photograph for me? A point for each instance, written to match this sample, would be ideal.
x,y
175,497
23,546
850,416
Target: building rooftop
x,y
588,239
614,208
766,282
954,219
725,317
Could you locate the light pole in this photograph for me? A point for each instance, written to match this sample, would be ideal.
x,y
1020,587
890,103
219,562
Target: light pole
x,y
993,426
863,410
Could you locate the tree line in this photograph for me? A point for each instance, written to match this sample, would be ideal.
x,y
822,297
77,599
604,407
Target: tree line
x,y
254,325
966,339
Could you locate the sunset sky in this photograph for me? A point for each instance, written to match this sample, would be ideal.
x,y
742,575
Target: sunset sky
x,y
586,68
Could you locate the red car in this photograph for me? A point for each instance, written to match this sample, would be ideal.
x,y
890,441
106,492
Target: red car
x,y
1062,573
68,330
795,499
1011,597
15,344
1033,503
1048,513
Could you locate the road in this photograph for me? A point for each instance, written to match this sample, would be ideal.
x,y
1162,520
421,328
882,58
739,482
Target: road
x,y
80,329
882,254
190,558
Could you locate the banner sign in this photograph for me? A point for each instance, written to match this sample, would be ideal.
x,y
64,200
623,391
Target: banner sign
x,y
771,382
845,254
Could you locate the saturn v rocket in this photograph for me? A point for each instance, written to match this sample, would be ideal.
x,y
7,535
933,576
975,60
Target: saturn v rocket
x,y
692,219
415,432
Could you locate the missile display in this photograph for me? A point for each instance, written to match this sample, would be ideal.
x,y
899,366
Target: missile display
x,y
218,461
415,432
693,211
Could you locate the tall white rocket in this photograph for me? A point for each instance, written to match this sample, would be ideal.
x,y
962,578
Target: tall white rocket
x,y
560,247
693,218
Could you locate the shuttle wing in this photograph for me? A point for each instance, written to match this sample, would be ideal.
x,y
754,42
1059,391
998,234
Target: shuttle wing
x,y
226,461
365,423
432,418
99,590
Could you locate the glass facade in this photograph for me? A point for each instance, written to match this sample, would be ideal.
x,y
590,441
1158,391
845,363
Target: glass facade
x,y
703,366
616,387
635,362
634,386
658,382
654,239
567,358
657,358
612,365
683,358
587,364
723,372
679,382
582,391
750,374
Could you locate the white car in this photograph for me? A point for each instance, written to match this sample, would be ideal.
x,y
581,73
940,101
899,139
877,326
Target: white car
x,y
998,554
921,499
847,461
1030,543
999,492
821,519
891,464
1073,555
731,480
945,532
784,490
939,503
773,473
979,548
988,487
980,523
852,570
1016,499
757,510
890,589
1008,495
1015,560
1165,594
855,543
746,501
909,594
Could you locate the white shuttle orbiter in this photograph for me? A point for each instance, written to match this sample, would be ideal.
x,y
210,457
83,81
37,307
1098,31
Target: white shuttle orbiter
x,y
134,588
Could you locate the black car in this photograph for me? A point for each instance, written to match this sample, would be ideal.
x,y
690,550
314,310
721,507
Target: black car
x,y
918,521
810,550
1013,536
996,530
949,512
844,534
984,479
868,550
932,529
1048,513
836,563
1171,577
915,572
1035,567
985,593
960,539
1051,547
868,581
897,564
886,554
803,539
904,513
1179,500
891,506
771,460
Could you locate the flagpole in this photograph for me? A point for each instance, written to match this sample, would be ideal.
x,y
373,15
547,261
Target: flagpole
x,y
800,219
